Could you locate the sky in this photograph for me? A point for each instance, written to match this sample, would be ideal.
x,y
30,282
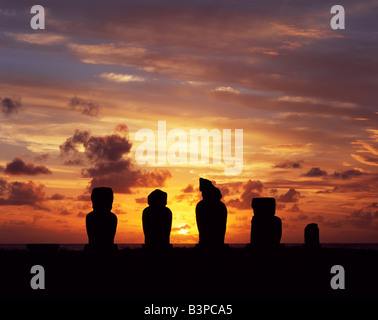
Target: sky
x,y
74,95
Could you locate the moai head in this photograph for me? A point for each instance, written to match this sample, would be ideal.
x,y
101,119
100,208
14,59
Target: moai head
x,y
264,207
102,199
157,198
209,192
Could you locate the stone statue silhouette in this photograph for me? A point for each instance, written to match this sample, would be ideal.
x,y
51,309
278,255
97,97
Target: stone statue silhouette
x,y
266,228
211,215
157,221
101,223
311,236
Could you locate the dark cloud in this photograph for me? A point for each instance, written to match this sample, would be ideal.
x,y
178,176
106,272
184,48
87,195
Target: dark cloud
x,y
345,175
110,148
10,105
107,148
288,165
155,178
366,216
315,172
361,186
84,197
251,189
106,168
20,167
24,193
57,196
190,194
3,186
106,163
122,128
69,151
123,181
69,147
291,196
85,107
188,189
342,175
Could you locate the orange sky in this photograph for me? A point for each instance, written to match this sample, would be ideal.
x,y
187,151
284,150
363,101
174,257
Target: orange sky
x,y
74,95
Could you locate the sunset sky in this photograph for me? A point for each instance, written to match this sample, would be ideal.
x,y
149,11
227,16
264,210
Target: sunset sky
x,y
74,95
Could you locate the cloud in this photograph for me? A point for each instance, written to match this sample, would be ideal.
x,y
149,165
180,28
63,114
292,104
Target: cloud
x,y
10,105
345,175
57,196
122,177
108,53
342,175
106,165
42,157
315,172
19,167
370,146
79,137
289,165
122,128
142,200
3,186
116,77
69,149
188,189
252,189
186,226
85,107
24,193
304,32
295,208
364,217
291,196
227,89
108,148
38,38
288,147
366,159
155,178
188,193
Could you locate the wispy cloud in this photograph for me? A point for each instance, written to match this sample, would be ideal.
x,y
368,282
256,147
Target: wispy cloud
x,y
227,89
116,77
38,38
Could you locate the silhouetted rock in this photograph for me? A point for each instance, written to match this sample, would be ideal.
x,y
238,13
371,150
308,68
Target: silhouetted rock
x,y
101,223
311,236
211,215
157,221
266,228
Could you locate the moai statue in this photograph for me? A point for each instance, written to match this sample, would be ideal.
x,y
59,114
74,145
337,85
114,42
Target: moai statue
x,y
157,221
101,223
311,236
266,228
211,216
